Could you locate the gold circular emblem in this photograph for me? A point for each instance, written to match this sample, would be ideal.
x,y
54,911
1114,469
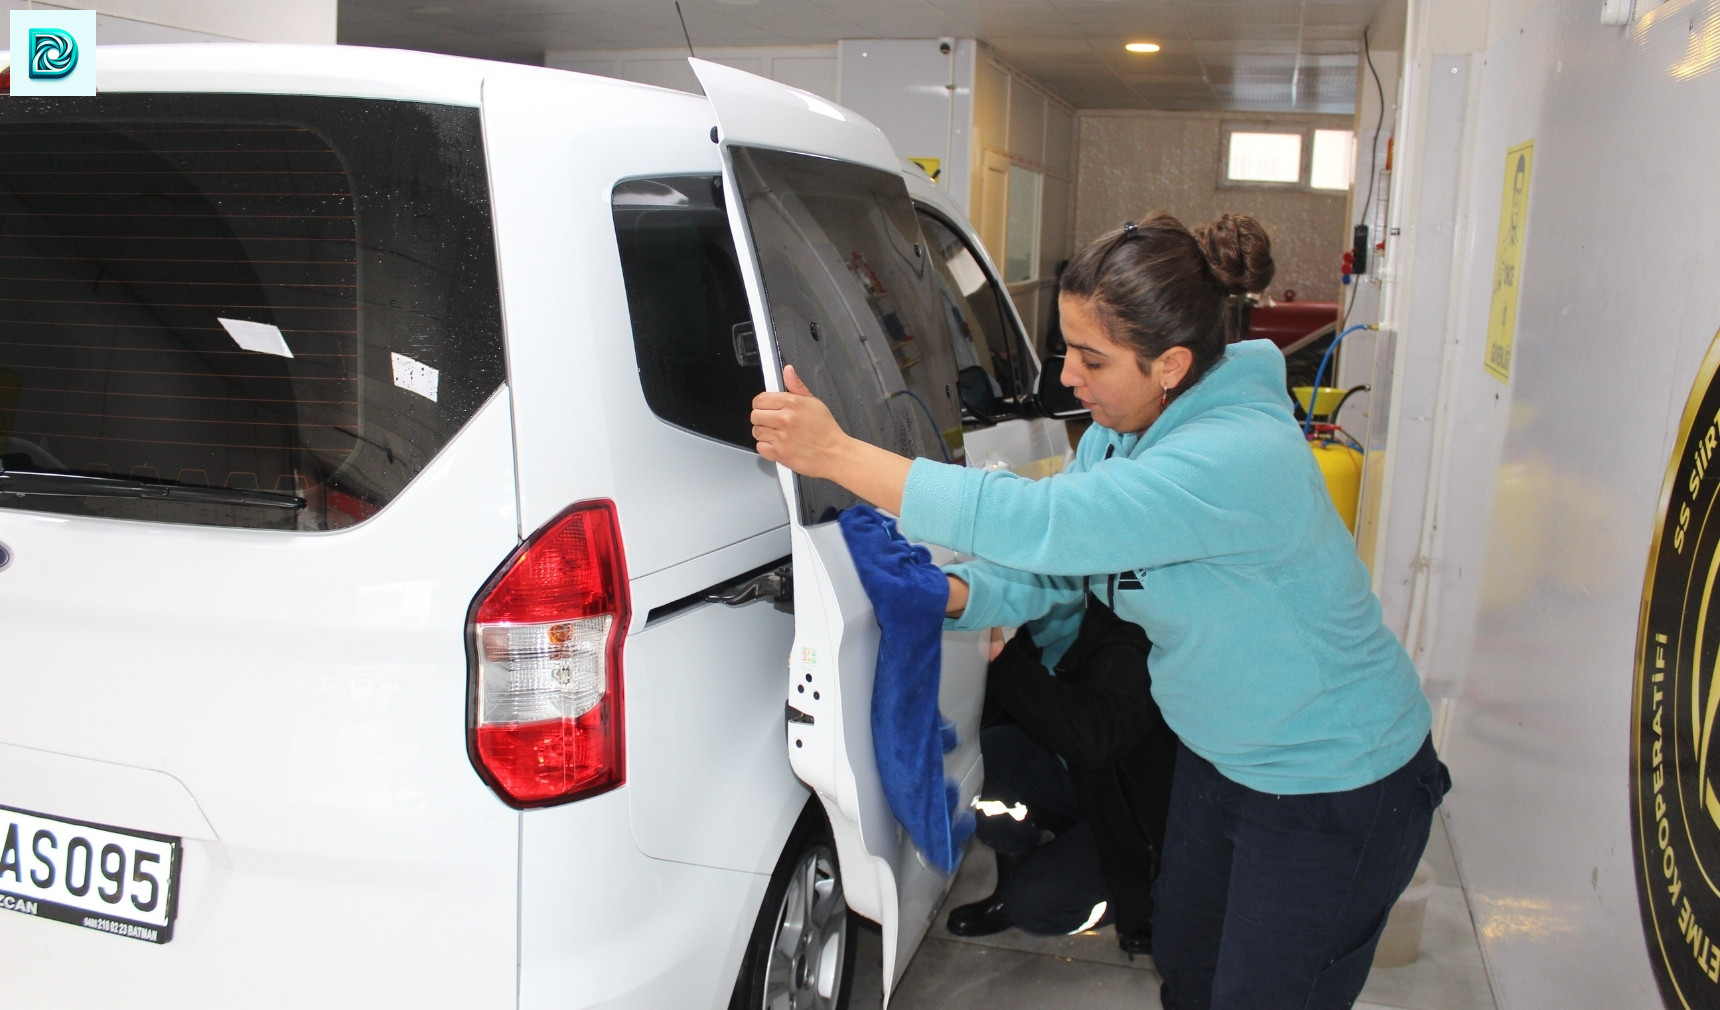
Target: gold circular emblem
x,y
1675,714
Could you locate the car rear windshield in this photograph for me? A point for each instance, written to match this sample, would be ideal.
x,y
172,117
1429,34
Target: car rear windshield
x,y
854,306
278,294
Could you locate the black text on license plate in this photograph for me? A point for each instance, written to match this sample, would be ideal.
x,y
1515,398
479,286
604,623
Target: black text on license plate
x,y
118,881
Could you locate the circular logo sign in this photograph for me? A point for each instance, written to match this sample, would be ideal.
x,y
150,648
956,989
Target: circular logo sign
x,y
5,557
1675,714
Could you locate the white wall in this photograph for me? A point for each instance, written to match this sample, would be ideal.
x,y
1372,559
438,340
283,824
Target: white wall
x,y
129,22
1519,514
1017,121
809,68
921,97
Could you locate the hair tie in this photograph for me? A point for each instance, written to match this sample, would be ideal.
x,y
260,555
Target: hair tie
x,y
1130,230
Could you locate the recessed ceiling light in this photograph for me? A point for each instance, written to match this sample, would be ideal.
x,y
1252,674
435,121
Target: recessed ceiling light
x,y
1142,47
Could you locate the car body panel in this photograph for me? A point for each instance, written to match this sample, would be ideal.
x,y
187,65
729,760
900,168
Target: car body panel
x,y
296,689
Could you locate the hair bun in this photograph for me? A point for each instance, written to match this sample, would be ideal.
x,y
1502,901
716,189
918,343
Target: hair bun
x,y
1238,252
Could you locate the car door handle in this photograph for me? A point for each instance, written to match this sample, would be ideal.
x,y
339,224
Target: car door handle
x,y
777,585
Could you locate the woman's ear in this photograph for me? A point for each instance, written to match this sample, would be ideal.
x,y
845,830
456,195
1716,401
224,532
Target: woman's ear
x,y
1174,366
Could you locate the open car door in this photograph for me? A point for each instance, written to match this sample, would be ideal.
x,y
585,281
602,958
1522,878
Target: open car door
x,y
842,288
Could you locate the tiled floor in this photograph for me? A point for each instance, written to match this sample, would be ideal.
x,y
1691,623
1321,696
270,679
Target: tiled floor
x,y
1014,971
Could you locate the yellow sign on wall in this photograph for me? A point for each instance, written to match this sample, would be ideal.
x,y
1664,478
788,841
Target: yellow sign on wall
x,y
930,166
1508,260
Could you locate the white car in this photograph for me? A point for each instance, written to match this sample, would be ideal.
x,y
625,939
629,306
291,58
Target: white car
x,y
395,611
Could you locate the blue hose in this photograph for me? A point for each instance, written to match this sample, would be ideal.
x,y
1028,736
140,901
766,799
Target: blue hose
x,y
1320,373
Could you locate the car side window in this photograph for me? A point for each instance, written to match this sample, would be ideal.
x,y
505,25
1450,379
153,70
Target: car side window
x,y
995,371
692,330
853,305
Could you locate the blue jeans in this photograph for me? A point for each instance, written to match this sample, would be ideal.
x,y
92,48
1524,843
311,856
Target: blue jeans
x,y
1277,902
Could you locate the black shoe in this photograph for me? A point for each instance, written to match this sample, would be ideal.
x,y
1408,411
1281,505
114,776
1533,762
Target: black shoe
x,y
1135,944
981,918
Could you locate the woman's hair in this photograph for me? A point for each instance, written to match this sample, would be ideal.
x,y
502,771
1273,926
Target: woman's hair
x,y
1157,285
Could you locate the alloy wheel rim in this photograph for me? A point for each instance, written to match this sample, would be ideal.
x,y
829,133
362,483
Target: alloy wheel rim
x,y
809,950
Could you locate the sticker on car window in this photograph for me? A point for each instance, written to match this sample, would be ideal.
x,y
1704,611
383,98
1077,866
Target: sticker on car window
x,y
415,376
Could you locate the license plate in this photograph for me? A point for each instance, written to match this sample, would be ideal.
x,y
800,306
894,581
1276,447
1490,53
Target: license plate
x,y
115,880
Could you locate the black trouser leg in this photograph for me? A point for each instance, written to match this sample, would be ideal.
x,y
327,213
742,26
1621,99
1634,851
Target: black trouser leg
x,y
1058,885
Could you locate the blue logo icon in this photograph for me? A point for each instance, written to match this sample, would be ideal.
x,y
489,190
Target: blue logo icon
x,y
5,557
53,54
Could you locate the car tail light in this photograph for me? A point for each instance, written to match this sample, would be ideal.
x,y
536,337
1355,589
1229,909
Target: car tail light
x,y
544,639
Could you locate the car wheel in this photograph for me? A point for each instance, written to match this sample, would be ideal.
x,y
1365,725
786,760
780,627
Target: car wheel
x,y
801,954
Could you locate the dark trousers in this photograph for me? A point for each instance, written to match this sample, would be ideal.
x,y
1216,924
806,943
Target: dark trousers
x,y
1057,883
1277,902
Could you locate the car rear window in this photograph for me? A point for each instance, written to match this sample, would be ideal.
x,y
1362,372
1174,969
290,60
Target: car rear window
x,y
692,329
854,305
294,296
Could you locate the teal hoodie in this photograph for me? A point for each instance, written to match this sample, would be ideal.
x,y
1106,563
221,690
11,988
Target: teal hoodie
x,y
1269,657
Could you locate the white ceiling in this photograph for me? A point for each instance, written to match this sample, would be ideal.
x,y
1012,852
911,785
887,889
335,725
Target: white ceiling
x,y
1259,55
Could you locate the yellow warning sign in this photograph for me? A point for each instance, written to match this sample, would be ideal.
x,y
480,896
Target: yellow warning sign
x,y
930,166
1508,260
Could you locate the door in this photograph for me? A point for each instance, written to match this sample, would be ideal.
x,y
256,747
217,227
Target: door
x,y
835,262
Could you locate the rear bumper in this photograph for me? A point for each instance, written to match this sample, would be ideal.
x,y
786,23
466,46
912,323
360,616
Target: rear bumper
x,y
603,925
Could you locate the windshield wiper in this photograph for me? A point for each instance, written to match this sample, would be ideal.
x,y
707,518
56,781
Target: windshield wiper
x,y
77,485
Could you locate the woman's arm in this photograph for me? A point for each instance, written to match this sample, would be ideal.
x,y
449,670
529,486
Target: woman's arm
x,y
796,429
958,597
1204,493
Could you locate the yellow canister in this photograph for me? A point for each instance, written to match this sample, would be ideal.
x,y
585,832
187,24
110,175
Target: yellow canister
x,y
1342,468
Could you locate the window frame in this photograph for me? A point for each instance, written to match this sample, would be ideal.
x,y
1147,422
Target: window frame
x,y
1005,306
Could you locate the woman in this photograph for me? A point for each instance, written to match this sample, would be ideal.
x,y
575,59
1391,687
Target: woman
x,y
1306,780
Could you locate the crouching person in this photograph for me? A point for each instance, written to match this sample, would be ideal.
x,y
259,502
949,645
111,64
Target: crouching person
x,y
1080,761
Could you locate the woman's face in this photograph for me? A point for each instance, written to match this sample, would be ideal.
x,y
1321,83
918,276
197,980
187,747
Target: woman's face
x,y
1107,376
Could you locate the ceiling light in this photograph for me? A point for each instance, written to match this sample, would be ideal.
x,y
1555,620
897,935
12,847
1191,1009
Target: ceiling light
x,y
1142,47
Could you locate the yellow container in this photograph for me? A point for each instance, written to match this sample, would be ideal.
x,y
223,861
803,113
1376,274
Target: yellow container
x,y
1330,397
1342,468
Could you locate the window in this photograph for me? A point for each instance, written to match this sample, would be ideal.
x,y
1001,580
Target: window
x,y
993,367
1265,157
1334,159
1286,159
854,305
287,296
1021,237
692,330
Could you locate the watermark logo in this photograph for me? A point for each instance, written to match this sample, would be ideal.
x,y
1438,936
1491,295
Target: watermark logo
x,y
53,53
1675,712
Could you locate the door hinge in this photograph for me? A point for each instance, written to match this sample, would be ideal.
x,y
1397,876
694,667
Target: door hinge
x,y
777,585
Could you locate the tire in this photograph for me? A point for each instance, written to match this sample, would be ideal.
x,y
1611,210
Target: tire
x,y
801,952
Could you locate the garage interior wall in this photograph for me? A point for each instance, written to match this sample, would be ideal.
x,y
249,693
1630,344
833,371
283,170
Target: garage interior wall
x,y
1133,163
1538,495
1367,357
809,68
1022,134
140,22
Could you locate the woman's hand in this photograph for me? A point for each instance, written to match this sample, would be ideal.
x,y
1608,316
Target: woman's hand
x,y
796,429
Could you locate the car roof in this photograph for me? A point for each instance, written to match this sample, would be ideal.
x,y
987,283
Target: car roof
x,y
338,71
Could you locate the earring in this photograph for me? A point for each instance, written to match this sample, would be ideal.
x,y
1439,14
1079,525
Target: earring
x,y
1164,397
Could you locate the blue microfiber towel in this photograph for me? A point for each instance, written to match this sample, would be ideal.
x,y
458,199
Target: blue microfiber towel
x,y
909,736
